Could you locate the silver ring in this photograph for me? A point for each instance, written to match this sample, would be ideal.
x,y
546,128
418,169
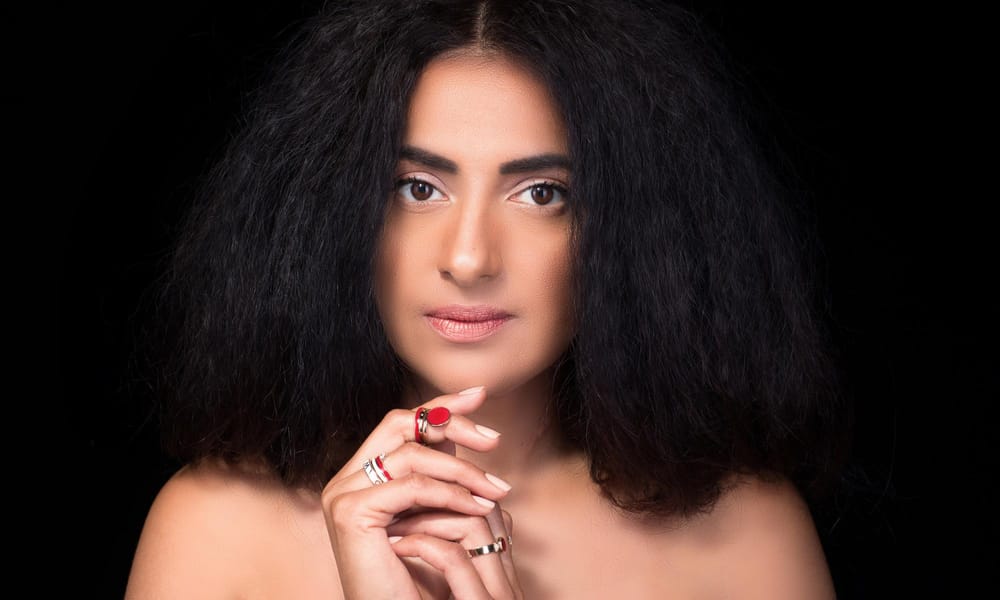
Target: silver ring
x,y
423,421
369,470
379,467
498,546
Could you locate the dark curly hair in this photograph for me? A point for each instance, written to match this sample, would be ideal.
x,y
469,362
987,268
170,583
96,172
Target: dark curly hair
x,y
702,351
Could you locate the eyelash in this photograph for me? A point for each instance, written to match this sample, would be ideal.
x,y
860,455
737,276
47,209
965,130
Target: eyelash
x,y
412,180
546,184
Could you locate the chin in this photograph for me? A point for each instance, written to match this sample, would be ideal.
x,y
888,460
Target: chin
x,y
456,378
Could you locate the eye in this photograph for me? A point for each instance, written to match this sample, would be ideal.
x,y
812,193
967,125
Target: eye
x,y
543,194
417,190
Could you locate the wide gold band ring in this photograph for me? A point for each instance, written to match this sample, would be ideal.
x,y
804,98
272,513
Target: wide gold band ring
x,y
498,546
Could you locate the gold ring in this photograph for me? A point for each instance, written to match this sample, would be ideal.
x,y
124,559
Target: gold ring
x,y
498,546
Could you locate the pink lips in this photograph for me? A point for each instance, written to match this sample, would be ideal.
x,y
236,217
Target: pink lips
x,y
459,323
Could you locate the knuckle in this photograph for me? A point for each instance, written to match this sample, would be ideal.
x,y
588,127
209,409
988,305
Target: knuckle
x,y
329,492
394,416
473,529
410,450
342,511
459,496
476,529
400,413
466,469
455,552
482,528
417,482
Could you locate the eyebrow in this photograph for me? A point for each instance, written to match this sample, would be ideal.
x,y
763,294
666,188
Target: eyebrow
x,y
520,165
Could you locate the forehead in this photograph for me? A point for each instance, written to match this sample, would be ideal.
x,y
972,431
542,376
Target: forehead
x,y
467,103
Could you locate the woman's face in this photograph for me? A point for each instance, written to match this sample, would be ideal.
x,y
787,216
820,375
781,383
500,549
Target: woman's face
x,y
474,267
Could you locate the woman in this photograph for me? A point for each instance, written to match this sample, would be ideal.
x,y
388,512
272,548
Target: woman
x,y
493,300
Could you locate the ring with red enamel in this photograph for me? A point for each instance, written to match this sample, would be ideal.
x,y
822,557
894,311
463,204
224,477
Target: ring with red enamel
x,y
438,416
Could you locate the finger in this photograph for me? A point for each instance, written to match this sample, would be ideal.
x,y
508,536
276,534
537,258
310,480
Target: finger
x,y
469,532
453,561
414,458
397,428
501,526
375,507
458,428
355,557
357,521
462,431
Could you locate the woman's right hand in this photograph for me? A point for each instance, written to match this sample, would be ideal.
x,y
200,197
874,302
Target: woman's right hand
x,y
424,479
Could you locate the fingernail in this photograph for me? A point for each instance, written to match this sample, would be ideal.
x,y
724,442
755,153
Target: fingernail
x,y
484,501
500,483
472,390
394,538
486,431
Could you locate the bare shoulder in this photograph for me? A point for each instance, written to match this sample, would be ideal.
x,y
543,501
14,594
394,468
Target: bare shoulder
x,y
204,531
769,545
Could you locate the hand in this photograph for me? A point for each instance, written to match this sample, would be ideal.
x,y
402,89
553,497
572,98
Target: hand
x,y
358,512
442,540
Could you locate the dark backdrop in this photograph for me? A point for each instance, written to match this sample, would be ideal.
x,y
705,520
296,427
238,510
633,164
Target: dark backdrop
x,y
118,110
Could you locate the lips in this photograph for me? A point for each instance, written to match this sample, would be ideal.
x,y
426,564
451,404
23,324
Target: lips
x,y
458,323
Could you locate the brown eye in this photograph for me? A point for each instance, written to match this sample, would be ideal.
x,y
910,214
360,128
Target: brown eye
x,y
548,195
542,194
421,190
417,191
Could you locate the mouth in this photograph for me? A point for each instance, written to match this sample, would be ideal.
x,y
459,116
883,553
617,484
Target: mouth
x,y
457,323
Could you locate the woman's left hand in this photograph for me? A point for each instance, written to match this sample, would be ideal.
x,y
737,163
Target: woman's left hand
x,y
443,539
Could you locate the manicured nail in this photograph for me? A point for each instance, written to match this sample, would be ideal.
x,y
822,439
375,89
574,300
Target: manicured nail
x,y
472,391
500,483
394,538
484,501
486,431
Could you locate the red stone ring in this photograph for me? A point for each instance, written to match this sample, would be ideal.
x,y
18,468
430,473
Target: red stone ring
x,y
438,416
435,417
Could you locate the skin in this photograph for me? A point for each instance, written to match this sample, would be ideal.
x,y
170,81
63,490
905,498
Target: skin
x,y
222,531
483,236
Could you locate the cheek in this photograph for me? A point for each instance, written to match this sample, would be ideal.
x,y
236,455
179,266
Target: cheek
x,y
387,271
398,268
550,283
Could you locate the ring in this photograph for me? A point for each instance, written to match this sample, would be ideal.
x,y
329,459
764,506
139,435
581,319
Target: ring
x,y
417,418
382,471
438,416
498,546
375,470
370,472
423,421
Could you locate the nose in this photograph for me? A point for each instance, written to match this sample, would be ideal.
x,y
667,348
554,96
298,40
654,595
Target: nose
x,y
470,245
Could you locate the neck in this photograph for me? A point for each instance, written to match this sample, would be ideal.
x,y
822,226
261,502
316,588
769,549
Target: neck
x,y
525,417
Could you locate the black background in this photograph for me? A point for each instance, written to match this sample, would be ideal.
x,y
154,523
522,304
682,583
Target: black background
x,y
115,111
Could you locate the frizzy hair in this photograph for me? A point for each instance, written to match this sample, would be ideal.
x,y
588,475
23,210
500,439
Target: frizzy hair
x,y
700,352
